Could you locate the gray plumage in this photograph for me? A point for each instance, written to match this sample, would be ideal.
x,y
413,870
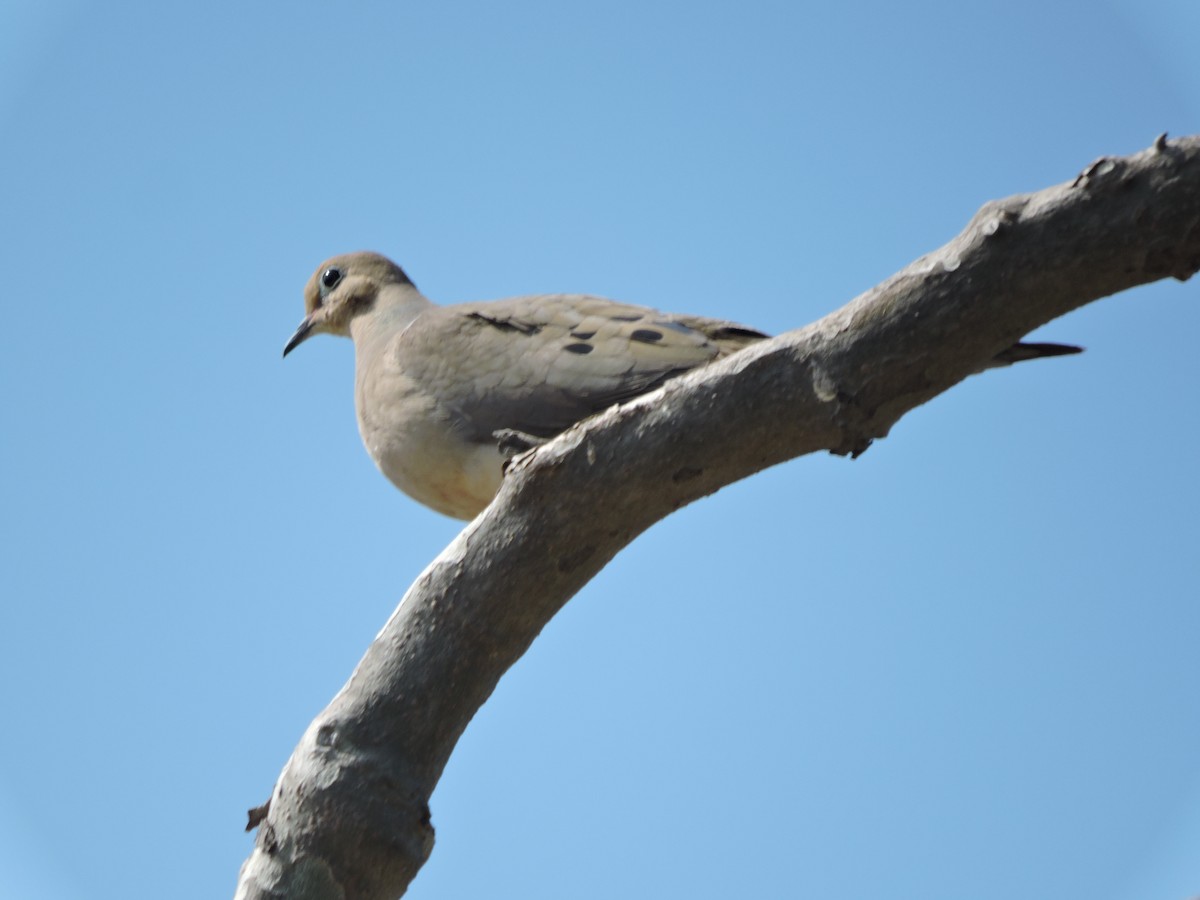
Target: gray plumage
x,y
442,392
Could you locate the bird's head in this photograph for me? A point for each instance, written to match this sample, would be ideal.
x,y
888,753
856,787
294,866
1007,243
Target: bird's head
x,y
339,290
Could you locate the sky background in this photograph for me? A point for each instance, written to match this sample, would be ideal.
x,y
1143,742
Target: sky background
x,y
964,665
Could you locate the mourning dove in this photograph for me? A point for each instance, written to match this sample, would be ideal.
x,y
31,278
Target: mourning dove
x,y
445,394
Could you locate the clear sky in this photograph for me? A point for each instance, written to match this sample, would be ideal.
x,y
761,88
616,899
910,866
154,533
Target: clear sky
x,y
964,665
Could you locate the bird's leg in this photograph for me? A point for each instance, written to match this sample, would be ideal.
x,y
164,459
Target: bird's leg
x,y
512,443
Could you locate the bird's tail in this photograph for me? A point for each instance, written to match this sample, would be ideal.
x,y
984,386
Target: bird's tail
x,y
1021,352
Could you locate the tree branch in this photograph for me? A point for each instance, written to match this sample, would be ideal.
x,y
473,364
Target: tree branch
x,y
349,816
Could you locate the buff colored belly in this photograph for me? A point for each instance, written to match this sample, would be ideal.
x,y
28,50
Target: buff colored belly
x,y
423,455
459,482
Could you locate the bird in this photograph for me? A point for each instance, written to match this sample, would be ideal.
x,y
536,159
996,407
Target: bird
x,y
446,395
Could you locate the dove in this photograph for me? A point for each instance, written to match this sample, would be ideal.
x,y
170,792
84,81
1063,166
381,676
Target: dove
x,y
444,395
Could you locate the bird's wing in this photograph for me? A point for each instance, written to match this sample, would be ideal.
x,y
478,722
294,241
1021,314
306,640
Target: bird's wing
x,y
539,364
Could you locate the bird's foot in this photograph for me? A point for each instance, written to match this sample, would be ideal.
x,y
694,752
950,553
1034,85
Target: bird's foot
x,y
512,443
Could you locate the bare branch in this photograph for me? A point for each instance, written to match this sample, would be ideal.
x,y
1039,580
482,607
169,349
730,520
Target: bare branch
x,y
349,817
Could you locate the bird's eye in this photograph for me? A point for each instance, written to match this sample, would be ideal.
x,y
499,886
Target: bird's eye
x,y
330,277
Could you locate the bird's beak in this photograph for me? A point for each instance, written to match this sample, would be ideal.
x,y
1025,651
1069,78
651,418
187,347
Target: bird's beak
x,y
299,336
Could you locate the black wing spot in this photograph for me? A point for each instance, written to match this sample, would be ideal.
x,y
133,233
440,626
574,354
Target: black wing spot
x,y
580,348
583,335
632,317
736,332
507,324
647,336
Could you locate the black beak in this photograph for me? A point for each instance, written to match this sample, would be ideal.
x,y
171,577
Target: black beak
x,y
299,336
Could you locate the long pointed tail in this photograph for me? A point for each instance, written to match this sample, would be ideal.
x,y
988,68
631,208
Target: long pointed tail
x,y
1021,352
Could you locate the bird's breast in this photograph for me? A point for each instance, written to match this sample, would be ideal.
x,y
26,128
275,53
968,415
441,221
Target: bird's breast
x,y
416,443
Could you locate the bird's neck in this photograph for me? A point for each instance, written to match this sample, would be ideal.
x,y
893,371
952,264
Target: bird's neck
x,y
394,309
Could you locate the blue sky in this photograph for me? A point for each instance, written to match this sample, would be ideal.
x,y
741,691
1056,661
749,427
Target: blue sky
x,y
963,665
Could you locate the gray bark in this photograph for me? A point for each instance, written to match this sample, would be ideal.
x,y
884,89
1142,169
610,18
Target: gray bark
x,y
349,816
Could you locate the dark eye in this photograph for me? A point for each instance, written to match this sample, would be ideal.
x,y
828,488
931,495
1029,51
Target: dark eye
x,y
330,277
